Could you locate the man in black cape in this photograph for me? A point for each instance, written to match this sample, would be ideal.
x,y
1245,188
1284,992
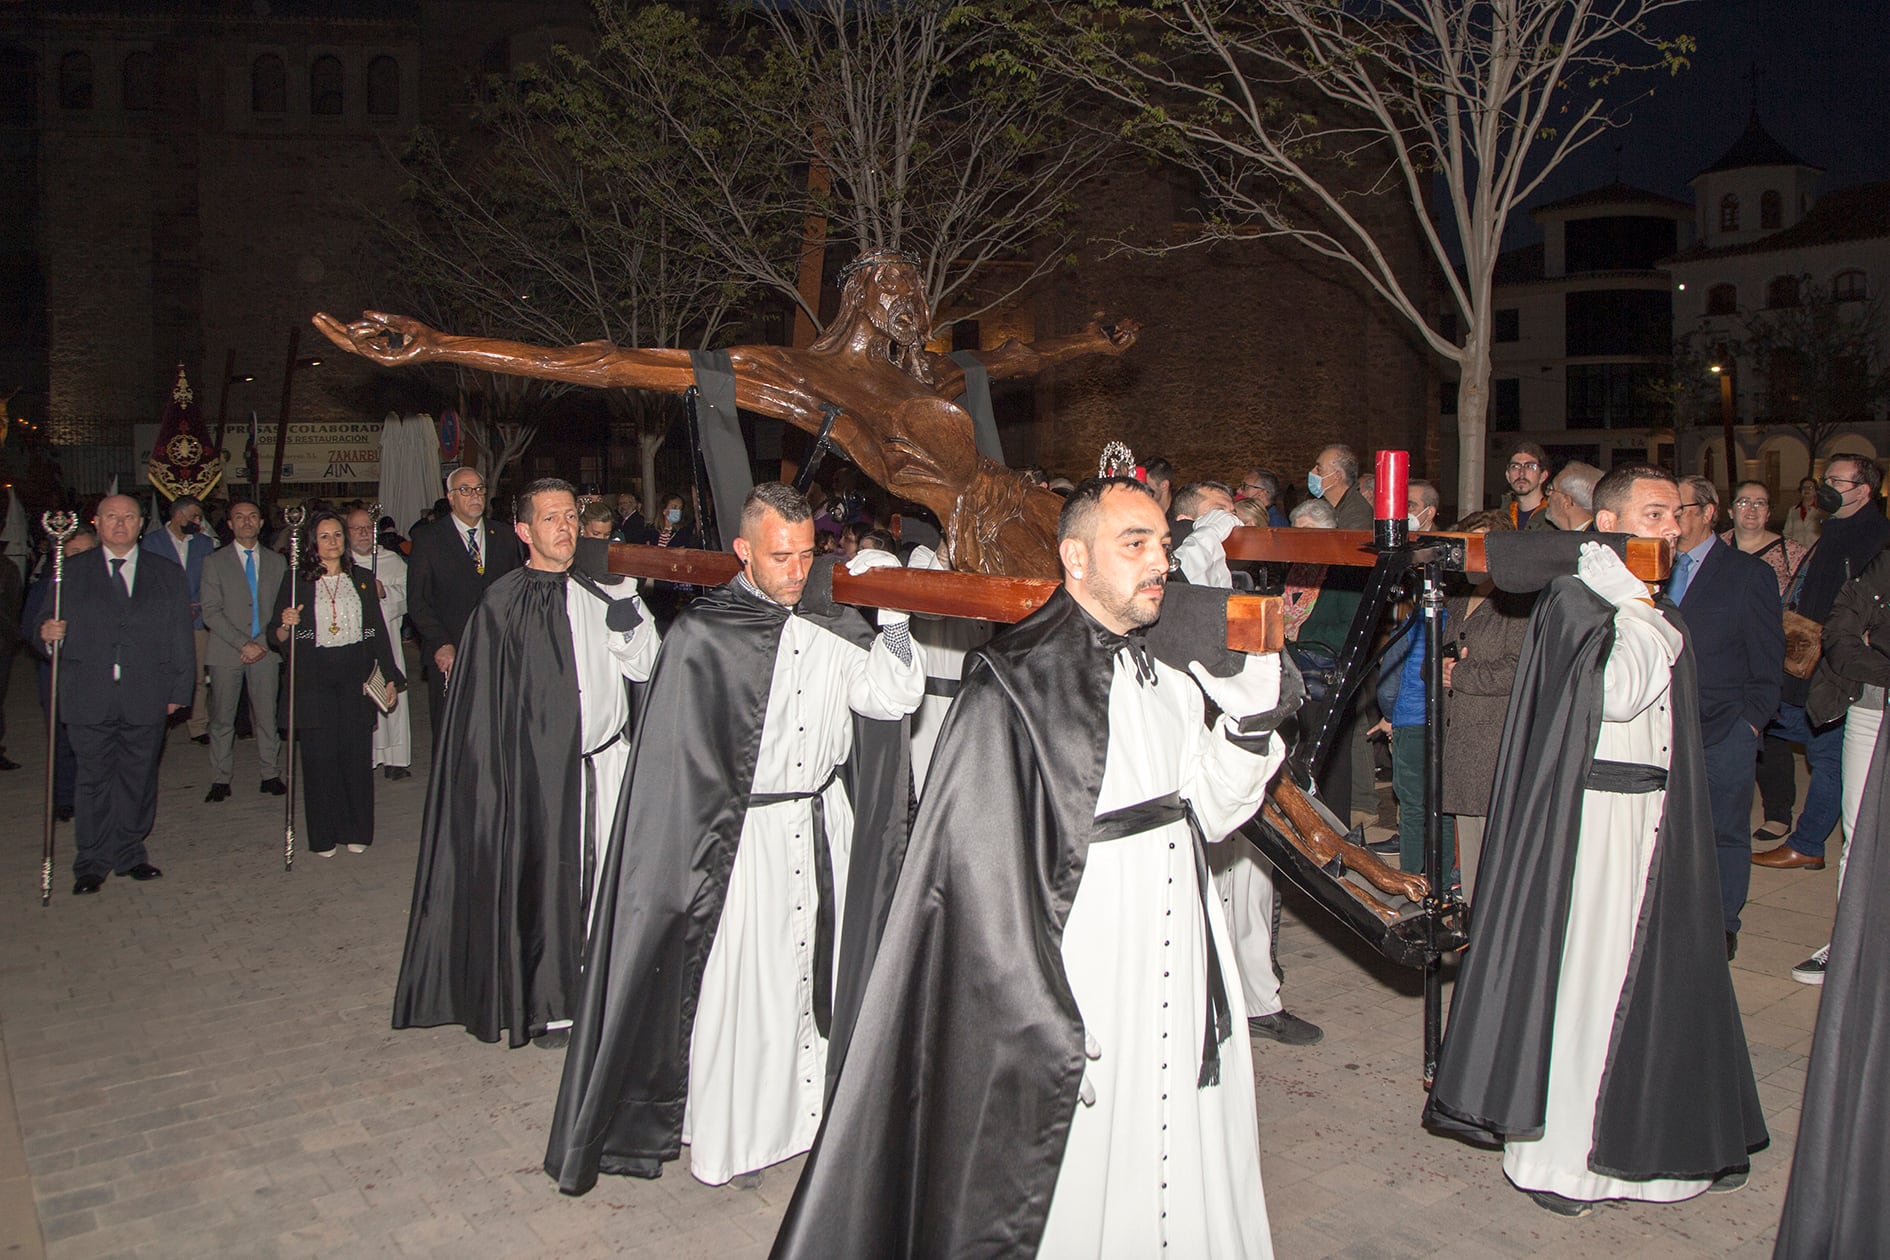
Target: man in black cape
x,y
1049,1053
1594,1029
528,767
1836,1205
753,856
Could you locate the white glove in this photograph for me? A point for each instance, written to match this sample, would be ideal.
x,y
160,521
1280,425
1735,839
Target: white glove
x,y
924,557
1216,525
1251,692
868,560
1608,577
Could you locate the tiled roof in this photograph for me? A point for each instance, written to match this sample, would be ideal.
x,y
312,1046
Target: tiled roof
x,y
1755,147
1861,213
1615,194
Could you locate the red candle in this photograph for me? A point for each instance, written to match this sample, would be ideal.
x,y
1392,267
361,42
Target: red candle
x,y
1393,477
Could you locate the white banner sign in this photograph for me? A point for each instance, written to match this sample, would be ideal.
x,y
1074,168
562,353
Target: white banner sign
x,y
319,451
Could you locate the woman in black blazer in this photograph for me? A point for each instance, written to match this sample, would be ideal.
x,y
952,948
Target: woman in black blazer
x,y
335,615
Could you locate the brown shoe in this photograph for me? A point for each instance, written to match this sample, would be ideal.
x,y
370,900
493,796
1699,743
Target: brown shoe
x,y
1786,858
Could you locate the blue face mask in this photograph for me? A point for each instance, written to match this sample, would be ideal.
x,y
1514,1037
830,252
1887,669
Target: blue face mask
x,y
1315,485
673,516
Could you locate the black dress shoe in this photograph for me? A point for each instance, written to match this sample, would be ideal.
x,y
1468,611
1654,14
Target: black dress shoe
x,y
6,764
87,884
1732,946
397,772
63,813
273,787
143,871
217,792
553,1039
199,739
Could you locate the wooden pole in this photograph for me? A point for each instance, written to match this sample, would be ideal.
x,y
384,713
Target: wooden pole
x,y
282,425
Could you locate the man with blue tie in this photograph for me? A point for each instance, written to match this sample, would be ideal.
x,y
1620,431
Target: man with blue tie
x,y
126,666
239,581
1729,601
183,539
454,560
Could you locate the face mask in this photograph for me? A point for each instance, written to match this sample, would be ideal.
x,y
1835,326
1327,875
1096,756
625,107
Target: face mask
x,y
673,516
1411,521
1315,485
1829,500
192,527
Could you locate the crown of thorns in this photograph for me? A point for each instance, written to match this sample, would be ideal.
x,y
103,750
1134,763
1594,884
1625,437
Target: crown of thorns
x,y
878,258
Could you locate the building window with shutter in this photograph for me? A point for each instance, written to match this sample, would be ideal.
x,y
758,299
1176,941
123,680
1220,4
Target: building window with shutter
x,y
324,87
138,82
268,85
1729,213
1781,292
1722,299
1849,286
1770,213
383,87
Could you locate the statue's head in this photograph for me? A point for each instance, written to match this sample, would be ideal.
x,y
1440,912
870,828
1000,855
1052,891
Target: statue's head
x,y
883,289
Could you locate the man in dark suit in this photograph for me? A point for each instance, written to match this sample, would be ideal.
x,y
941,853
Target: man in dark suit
x,y
454,560
184,540
127,665
1730,603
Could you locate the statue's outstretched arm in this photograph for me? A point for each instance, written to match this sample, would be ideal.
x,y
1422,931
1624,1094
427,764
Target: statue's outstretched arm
x,y
1016,358
396,340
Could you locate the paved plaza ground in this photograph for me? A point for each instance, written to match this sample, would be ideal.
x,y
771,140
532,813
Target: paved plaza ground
x,y
202,1066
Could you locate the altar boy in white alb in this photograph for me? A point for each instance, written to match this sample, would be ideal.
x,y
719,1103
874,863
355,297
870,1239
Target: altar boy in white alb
x,y
393,733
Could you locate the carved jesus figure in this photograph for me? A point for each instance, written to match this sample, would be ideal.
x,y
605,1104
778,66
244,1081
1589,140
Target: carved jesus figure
x,y
897,420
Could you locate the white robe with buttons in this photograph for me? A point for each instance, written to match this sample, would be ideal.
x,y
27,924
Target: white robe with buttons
x,y
1612,859
757,1066
393,732
1156,1165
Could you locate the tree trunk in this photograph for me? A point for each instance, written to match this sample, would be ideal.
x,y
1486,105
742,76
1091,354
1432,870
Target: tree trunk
x,y
1473,421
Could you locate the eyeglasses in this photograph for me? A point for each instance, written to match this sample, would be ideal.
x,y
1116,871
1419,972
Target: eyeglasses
x,y
469,489
1835,482
1752,503
1524,466
1684,506
1251,485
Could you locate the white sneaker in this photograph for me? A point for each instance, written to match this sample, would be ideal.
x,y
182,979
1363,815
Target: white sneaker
x,y
1811,971
357,848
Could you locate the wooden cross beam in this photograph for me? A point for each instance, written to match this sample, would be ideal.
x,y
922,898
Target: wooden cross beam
x,y
1254,622
1648,559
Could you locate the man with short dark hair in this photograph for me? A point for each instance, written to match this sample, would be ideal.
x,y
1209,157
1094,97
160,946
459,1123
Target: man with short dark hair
x,y
1594,1029
1526,468
1159,476
239,582
1852,534
740,900
1193,501
455,560
1049,1059
530,765
1334,478
1728,599
184,540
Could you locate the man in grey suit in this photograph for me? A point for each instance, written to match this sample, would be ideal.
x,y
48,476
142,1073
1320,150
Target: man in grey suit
x,y
126,666
239,583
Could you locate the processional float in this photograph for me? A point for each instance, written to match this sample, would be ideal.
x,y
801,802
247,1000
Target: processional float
x,y
871,391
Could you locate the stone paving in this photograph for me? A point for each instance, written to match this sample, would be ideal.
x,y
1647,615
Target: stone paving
x,y
202,1066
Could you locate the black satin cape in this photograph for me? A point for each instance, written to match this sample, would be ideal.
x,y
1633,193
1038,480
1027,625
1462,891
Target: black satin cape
x,y
946,1129
626,1074
1836,1205
1677,1098
492,942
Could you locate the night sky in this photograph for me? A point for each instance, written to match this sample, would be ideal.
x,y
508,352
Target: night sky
x,y
1824,94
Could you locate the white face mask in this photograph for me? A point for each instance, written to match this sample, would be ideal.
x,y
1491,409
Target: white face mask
x,y
1411,521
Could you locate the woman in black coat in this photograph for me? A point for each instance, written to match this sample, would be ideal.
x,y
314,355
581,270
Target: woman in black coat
x,y
333,609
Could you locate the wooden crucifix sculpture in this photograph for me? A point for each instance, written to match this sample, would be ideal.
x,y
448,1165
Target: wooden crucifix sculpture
x,y
897,421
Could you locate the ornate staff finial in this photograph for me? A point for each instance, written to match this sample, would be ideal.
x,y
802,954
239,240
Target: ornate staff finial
x,y
1119,461
181,393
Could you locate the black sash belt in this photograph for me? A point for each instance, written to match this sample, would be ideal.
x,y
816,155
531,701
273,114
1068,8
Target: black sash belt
x,y
589,843
1626,776
823,892
1133,820
947,687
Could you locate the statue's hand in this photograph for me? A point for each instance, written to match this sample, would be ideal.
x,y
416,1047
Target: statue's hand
x,y
390,340
1117,336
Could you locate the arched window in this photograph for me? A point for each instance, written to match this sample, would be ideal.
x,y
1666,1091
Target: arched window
x,y
1781,291
1770,215
1729,213
138,82
268,85
1722,299
324,87
1849,286
383,87
75,81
